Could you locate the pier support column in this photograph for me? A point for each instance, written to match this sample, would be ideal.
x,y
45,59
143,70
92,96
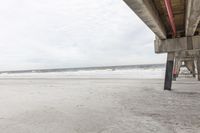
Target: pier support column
x,y
179,67
198,68
193,67
176,69
169,71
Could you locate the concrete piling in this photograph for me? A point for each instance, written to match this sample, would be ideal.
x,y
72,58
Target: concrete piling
x,y
198,68
169,71
193,69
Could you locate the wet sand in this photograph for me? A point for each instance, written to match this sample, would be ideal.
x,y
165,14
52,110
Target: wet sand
x,y
98,106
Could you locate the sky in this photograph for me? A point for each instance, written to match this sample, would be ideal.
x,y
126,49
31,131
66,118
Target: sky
x,y
38,34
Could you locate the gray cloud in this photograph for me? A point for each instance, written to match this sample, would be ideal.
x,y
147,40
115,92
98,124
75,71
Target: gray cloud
x,y
72,33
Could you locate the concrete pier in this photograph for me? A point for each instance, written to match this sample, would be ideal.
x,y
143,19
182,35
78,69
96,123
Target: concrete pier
x,y
177,66
169,71
198,68
179,35
191,67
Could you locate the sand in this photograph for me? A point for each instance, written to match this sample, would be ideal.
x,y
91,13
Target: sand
x,y
98,106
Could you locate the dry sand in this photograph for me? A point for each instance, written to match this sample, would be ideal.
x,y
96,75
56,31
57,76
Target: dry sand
x,y
98,106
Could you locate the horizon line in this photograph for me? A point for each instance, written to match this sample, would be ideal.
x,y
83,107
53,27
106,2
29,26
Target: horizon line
x,y
79,68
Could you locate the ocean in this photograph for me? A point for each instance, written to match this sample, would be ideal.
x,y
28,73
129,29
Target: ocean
x,y
150,71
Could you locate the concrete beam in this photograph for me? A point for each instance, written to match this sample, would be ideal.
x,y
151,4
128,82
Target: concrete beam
x,y
146,11
192,16
187,55
177,44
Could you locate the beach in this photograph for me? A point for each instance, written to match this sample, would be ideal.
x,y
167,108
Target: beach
x,y
98,105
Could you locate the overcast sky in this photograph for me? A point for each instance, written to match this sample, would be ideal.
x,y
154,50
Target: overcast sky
x,y
72,33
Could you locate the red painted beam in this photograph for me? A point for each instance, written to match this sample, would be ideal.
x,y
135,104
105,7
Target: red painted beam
x,y
168,6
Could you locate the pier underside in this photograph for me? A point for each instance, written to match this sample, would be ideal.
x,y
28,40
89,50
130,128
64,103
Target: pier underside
x,y
177,30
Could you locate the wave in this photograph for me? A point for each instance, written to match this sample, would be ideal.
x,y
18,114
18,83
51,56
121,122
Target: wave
x,y
131,72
